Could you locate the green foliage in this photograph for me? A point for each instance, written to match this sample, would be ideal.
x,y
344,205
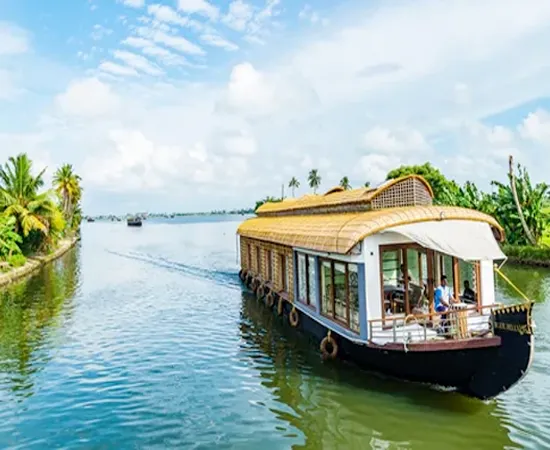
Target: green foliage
x,y
445,191
314,180
527,254
268,199
9,239
532,200
294,184
16,260
67,186
344,182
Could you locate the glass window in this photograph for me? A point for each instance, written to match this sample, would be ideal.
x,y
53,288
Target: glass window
x,y
326,288
353,297
448,271
311,272
302,278
468,288
390,267
340,292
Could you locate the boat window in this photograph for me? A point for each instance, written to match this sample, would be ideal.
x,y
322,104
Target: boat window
x,y
326,288
340,293
417,266
390,267
340,297
249,255
258,260
302,278
311,276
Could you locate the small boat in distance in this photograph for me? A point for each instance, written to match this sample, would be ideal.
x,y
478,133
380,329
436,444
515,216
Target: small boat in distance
x,y
365,272
134,221
91,219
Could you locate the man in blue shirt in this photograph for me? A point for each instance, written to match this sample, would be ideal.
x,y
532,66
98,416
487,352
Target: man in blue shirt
x,y
443,296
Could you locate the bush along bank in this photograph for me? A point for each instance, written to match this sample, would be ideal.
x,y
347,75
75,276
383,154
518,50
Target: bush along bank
x,y
32,264
528,255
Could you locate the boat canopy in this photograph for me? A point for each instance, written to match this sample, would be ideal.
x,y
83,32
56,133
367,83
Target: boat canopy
x,y
340,233
467,240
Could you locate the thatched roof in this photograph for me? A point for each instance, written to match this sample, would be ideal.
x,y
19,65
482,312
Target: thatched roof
x,y
339,233
412,190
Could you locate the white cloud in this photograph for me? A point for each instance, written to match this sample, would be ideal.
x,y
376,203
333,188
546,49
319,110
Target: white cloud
x,y
7,87
137,42
375,167
134,3
307,13
178,43
13,39
117,69
383,140
163,13
166,56
240,144
88,97
218,41
239,14
138,62
201,7
536,127
99,32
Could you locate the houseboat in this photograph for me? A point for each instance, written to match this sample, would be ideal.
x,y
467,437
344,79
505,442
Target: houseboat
x,y
361,270
134,221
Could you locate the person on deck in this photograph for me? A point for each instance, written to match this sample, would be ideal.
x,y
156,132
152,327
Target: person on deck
x,y
469,295
443,296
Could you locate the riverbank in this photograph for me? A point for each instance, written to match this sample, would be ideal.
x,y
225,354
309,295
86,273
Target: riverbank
x,y
527,255
36,262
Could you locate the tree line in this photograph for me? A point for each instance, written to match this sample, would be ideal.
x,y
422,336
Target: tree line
x,y
520,206
33,219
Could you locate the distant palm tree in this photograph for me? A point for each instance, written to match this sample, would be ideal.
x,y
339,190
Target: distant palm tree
x,y
344,182
314,180
367,184
293,184
67,185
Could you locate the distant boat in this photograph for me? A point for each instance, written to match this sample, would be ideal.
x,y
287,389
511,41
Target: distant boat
x,y
91,219
134,221
172,216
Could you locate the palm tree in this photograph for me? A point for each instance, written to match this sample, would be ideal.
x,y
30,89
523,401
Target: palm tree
x,y
19,198
314,180
67,185
293,184
367,184
344,182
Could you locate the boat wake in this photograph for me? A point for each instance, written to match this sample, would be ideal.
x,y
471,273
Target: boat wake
x,y
225,278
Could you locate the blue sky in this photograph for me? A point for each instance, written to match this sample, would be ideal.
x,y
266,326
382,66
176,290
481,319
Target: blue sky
x,y
192,105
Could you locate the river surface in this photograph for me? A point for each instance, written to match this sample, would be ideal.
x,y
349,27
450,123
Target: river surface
x,y
143,338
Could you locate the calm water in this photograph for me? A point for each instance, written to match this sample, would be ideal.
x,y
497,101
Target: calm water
x,y
143,338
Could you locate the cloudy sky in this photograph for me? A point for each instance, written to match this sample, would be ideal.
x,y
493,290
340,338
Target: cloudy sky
x,y
192,105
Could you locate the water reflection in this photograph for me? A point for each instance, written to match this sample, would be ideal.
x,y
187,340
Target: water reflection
x,y
337,406
29,310
533,281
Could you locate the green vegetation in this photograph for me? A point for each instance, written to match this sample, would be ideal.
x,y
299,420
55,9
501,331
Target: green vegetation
x,y
33,220
314,180
344,183
293,184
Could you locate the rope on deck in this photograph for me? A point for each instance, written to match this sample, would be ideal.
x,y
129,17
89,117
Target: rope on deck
x,y
505,278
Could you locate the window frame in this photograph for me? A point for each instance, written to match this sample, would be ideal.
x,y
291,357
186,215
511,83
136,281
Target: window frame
x,y
435,267
347,323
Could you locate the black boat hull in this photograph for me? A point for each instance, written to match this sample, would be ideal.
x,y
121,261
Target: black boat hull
x,y
480,368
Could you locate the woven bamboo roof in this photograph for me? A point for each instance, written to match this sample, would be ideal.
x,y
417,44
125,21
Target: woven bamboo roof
x,y
339,233
336,196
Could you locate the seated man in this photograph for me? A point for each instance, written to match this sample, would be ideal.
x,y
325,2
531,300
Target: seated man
x,y
469,295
